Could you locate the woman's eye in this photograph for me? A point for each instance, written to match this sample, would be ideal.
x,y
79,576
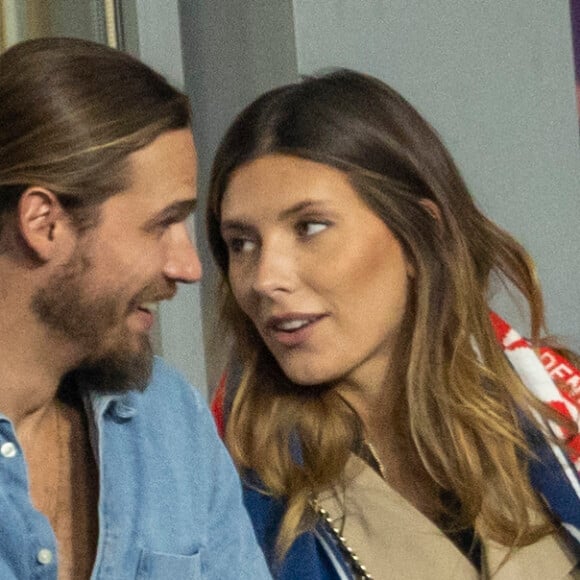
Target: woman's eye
x,y
311,228
240,245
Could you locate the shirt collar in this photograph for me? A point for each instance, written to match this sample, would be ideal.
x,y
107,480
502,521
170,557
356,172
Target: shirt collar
x,y
123,406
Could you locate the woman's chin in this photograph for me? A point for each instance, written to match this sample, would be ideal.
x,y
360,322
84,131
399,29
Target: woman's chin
x,y
308,377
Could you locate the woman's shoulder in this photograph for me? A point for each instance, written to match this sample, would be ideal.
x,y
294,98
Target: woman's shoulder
x,y
265,510
311,556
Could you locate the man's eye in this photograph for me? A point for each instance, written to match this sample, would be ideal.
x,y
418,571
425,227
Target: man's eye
x,y
166,223
311,228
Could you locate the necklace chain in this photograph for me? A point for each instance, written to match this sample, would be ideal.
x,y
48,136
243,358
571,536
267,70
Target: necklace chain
x,y
357,567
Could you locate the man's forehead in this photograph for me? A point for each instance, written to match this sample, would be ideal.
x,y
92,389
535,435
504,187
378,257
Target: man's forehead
x,y
166,167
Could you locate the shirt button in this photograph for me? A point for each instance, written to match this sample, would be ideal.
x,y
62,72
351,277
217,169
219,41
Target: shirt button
x,y
44,556
8,450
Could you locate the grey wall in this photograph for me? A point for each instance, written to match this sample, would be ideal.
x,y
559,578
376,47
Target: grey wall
x,y
233,51
180,325
74,18
497,80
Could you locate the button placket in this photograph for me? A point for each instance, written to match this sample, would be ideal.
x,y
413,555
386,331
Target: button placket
x,y
8,450
44,556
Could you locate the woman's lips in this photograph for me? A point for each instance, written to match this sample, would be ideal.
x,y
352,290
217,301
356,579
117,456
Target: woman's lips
x,y
292,330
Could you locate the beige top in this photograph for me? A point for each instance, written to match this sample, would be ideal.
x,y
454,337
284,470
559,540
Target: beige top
x,y
395,540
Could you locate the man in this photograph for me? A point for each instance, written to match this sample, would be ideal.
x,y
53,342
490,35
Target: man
x,y
109,462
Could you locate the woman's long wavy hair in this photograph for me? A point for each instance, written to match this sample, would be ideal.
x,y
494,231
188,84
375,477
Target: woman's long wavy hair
x,y
460,404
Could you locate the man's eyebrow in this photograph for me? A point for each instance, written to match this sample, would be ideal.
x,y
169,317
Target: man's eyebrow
x,y
177,212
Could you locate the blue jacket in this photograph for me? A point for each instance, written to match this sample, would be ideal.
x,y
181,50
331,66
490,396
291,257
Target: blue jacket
x,y
312,556
170,504
315,556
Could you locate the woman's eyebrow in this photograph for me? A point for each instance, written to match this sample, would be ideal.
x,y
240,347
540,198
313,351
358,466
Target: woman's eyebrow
x,y
241,225
235,225
299,207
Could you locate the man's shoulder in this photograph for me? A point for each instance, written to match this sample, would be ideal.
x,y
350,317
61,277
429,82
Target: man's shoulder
x,y
169,420
167,398
169,388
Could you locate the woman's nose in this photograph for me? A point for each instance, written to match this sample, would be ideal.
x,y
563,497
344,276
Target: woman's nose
x,y
275,271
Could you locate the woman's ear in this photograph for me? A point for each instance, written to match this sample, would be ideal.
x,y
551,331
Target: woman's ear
x,y
432,208
434,211
43,224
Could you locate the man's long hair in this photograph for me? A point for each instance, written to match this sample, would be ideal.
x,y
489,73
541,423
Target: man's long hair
x,y
71,111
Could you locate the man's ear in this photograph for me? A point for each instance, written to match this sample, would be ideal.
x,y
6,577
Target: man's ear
x,y
42,222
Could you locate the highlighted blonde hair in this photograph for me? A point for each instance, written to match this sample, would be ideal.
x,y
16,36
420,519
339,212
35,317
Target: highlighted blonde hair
x,y
459,399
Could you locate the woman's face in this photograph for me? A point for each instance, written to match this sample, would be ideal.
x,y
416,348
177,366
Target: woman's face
x,y
320,275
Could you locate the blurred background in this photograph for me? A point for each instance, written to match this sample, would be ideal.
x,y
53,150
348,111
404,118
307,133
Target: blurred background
x,y
496,79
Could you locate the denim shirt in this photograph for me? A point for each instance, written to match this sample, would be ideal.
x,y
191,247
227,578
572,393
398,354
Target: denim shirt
x,y
170,502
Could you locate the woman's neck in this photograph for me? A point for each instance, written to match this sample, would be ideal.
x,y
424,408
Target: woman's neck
x,y
384,416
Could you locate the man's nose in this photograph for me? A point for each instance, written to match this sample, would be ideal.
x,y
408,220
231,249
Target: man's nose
x,y
182,264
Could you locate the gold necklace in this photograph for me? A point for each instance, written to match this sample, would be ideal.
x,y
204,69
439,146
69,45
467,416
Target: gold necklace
x,y
357,567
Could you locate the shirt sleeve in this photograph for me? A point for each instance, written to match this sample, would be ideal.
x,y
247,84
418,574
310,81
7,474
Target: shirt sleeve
x,y
232,549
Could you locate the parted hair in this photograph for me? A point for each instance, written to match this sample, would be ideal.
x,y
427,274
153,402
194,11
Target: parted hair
x,y
71,111
459,401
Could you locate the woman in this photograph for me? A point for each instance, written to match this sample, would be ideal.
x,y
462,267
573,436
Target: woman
x,y
380,428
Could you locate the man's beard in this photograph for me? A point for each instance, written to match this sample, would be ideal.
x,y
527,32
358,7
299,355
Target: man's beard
x,y
64,307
